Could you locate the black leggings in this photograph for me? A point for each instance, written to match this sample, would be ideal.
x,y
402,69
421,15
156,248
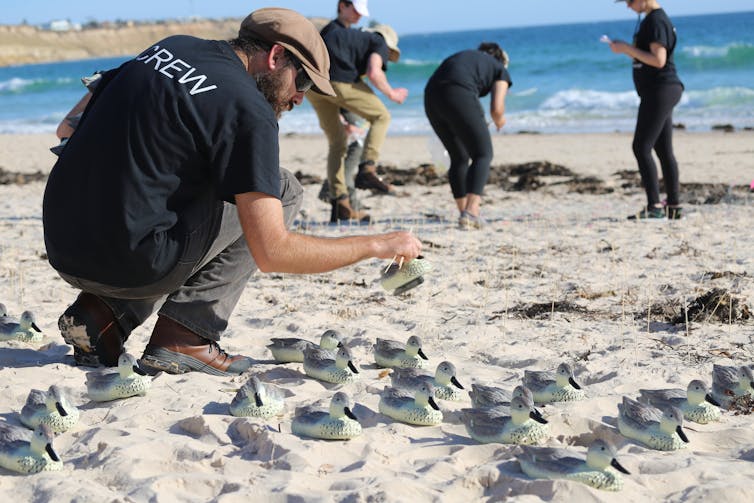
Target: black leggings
x,y
654,130
457,117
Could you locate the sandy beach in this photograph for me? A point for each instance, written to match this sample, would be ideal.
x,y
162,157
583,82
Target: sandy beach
x,y
558,276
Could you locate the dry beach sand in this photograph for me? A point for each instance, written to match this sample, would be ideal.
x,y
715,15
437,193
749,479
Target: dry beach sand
x,y
559,275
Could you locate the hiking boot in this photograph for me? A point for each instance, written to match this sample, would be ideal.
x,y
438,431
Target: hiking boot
x,y
469,221
89,326
648,213
342,210
367,178
675,212
175,349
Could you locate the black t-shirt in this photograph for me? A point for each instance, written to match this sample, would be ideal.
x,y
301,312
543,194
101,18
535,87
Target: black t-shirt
x,y
349,51
656,27
182,122
474,70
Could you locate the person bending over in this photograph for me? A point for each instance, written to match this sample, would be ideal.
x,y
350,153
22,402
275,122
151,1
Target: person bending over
x,y
451,102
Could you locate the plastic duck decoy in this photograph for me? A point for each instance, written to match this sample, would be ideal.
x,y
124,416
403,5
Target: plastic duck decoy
x,y
26,451
444,380
695,401
50,407
393,354
25,329
291,349
523,426
337,423
417,408
596,470
335,368
558,386
257,399
129,380
399,278
656,428
729,383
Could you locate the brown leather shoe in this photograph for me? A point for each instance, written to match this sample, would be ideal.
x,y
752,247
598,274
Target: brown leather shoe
x,y
90,327
175,349
342,210
367,178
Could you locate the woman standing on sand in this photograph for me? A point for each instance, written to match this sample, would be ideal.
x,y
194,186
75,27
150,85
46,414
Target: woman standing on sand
x,y
451,102
660,91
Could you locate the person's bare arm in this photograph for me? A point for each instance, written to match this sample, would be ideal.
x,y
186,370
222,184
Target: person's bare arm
x,y
65,130
497,103
379,79
657,55
276,249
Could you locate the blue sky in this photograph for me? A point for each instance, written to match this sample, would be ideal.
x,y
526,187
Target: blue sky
x,y
406,16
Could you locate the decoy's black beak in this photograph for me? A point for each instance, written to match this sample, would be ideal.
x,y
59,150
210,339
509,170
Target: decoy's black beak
x,y
711,400
258,400
35,327
614,463
433,404
139,371
421,353
350,414
681,434
352,367
61,410
340,344
51,452
535,415
573,383
455,382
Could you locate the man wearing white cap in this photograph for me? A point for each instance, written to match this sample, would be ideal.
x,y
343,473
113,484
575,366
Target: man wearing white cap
x,y
354,53
169,195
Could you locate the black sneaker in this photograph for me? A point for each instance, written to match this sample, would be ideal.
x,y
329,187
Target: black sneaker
x,y
675,212
648,213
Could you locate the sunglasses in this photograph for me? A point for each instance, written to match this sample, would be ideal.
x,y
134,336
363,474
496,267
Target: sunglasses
x,y
303,82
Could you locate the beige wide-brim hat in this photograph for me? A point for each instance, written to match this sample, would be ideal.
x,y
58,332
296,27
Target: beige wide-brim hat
x,y
391,39
298,35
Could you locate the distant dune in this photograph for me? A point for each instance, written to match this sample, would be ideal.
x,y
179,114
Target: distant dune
x,y
28,44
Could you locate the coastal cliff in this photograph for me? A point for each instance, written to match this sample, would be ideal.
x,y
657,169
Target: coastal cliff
x,y
22,44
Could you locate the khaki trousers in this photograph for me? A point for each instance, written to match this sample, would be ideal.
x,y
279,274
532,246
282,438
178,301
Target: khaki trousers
x,y
358,98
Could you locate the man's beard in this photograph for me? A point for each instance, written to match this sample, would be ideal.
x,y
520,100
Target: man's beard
x,y
271,86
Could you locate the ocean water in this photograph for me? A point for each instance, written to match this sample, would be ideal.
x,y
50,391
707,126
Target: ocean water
x,y
564,79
